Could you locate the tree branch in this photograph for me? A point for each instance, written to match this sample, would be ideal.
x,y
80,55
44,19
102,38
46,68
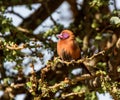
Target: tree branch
x,y
19,2
40,14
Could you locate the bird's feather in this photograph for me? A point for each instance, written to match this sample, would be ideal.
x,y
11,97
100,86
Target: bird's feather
x,y
68,49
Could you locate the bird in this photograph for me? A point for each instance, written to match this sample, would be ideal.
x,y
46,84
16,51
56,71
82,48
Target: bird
x,y
67,46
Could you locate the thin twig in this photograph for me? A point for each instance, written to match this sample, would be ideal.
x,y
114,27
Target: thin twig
x,y
17,14
73,94
15,47
115,7
73,81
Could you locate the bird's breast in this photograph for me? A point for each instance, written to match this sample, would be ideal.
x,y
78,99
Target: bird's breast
x,y
68,50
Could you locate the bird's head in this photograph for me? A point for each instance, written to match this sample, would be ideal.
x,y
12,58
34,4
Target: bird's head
x,y
66,34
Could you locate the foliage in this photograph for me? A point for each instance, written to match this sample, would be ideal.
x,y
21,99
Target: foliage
x,y
97,30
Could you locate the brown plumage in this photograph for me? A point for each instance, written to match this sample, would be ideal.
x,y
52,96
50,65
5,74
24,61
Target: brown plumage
x,y
67,47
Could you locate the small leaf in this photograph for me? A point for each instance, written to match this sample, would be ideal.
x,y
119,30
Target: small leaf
x,y
94,24
98,37
115,20
14,53
78,40
77,89
118,70
7,29
29,84
2,8
4,21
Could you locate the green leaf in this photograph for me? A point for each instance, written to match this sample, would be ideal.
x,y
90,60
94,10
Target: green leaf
x,y
7,29
94,24
14,53
2,8
29,84
78,40
98,37
77,89
6,80
4,21
115,20
91,96
118,70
